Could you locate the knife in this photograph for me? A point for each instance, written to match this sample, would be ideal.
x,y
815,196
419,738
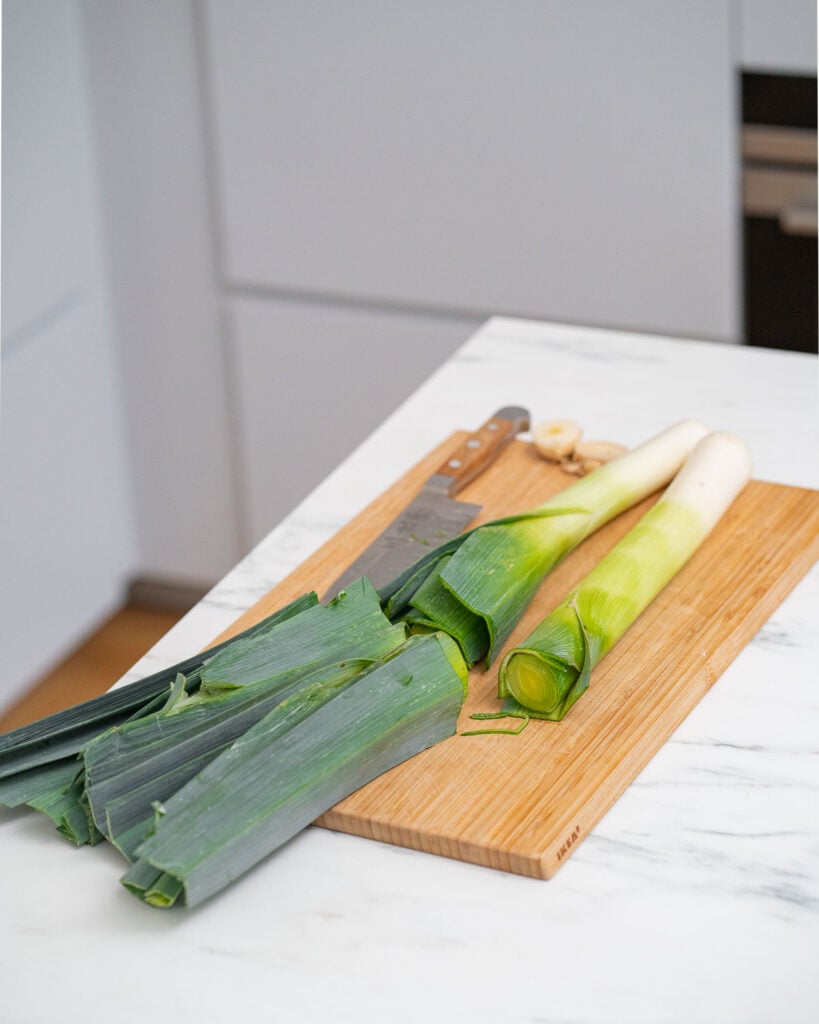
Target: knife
x,y
434,516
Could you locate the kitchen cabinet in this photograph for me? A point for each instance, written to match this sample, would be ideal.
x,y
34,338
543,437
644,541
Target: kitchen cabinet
x,y
778,36
385,175
165,296
570,160
66,533
315,380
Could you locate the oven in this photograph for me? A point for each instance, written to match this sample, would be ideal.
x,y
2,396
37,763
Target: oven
x,y
779,211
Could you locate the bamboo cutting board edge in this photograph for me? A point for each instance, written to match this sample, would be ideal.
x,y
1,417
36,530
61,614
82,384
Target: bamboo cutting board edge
x,y
524,848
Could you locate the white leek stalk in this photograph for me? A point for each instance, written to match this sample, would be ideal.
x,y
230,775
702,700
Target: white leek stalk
x,y
550,670
478,593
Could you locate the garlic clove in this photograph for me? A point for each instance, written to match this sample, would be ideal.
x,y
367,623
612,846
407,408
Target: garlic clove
x,y
556,439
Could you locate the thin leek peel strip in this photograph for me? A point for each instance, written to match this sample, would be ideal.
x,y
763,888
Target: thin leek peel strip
x,y
550,670
497,732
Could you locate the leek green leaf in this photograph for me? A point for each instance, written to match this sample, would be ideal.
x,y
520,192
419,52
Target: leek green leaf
x,y
130,767
63,734
313,749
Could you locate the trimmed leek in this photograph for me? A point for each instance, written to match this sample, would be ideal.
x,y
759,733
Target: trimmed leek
x,y
38,762
311,751
129,768
551,669
476,587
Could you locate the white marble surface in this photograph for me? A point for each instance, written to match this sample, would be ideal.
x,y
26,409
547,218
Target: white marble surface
x,y
695,899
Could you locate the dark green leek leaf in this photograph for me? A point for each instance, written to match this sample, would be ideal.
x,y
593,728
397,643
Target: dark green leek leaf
x,y
131,767
56,790
312,750
64,733
38,783
352,625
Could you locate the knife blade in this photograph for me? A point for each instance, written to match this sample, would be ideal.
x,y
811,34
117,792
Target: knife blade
x,y
434,516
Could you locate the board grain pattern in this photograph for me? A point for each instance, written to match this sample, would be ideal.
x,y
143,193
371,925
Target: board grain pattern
x,y
524,803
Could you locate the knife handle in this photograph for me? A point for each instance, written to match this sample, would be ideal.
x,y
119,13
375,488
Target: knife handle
x,y
482,446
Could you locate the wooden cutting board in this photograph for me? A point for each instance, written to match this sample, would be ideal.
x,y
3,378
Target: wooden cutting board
x,y
524,803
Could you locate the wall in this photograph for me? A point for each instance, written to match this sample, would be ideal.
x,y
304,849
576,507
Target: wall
x,y
66,533
144,75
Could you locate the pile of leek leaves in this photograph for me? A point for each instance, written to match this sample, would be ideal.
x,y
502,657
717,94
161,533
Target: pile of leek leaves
x,y
198,772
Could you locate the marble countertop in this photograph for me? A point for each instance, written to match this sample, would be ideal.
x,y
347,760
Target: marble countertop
x,y
696,898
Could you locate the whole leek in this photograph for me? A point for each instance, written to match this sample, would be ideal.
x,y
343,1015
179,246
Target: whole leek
x,y
550,670
477,587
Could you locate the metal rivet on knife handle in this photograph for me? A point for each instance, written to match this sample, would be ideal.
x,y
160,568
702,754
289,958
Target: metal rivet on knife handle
x,y
482,447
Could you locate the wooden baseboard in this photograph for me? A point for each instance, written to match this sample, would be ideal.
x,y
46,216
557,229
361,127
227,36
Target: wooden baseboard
x,y
94,665
163,594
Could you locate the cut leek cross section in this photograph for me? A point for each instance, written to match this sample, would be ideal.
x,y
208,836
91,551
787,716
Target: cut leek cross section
x,y
312,750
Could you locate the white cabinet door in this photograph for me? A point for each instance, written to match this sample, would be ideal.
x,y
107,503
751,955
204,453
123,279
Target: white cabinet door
x,y
778,36
162,266
67,540
315,382
574,161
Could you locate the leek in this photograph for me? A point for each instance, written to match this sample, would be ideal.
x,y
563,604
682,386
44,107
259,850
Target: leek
x,y
551,669
312,750
130,767
476,587
198,772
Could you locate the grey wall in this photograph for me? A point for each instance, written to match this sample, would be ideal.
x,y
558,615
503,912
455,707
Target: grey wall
x,y
143,65
66,528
